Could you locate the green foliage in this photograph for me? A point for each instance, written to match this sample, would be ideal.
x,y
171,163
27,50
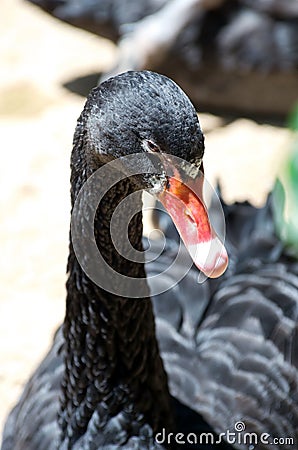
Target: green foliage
x,y
285,194
293,119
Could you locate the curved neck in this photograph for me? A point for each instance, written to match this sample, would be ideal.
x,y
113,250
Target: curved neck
x,y
112,356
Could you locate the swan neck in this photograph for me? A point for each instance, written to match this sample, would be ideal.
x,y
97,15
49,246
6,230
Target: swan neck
x,y
112,359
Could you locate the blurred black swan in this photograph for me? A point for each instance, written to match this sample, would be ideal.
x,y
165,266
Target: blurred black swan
x,y
228,346
228,55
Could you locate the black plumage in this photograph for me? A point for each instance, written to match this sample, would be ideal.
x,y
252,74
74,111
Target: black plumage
x,y
228,346
244,366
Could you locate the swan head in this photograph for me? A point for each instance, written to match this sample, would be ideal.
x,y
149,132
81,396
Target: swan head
x,y
147,114
144,112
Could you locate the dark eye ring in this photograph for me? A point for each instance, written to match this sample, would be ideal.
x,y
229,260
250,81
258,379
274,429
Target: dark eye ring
x,y
151,146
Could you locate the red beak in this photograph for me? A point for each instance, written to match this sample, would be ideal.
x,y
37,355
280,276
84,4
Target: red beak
x,y
188,211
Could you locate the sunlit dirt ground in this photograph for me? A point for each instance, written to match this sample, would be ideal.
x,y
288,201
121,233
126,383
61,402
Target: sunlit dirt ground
x,y
37,119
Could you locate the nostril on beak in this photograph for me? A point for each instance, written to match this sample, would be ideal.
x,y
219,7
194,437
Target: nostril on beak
x,y
189,216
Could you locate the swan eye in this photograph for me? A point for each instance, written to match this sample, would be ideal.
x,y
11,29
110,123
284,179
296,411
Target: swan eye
x,y
151,146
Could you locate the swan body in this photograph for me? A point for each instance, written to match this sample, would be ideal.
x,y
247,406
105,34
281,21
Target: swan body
x,y
241,341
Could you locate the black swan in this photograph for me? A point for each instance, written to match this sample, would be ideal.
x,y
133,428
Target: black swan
x,y
229,345
223,53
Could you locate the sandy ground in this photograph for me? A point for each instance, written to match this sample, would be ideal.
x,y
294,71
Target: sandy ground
x,y
37,119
